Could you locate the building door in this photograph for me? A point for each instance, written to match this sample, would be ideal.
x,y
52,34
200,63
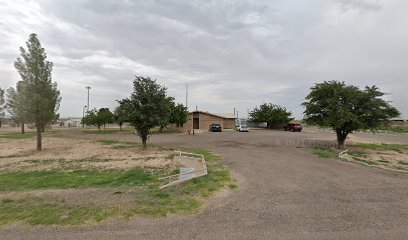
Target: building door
x,y
196,120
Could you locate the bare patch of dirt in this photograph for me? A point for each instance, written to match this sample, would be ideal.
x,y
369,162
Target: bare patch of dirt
x,y
20,155
385,159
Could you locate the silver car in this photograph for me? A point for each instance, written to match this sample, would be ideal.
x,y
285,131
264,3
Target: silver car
x,y
242,128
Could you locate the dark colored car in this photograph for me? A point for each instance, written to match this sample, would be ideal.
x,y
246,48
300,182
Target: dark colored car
x,y
215,127
294,127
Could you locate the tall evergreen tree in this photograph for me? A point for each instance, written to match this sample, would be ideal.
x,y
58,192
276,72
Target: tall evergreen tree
x,y
43,97
1,105
16,104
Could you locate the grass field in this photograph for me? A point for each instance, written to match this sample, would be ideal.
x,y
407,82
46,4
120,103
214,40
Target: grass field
x,y
17,136
19,181
401,148
395,129
141,185
389,156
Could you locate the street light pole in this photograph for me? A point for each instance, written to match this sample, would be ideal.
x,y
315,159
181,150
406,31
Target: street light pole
x,y
83,116
187,96
88,88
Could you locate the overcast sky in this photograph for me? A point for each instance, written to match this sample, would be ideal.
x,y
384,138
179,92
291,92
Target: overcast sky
x,y
231,53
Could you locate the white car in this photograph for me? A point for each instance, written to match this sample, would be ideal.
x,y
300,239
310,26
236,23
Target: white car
x,y
242,128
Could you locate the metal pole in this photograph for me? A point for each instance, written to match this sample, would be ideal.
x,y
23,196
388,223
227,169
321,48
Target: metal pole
x,y
88,88
187,96
83,116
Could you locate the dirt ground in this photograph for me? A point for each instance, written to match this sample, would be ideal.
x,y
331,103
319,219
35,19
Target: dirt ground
x,y
66,153
284,192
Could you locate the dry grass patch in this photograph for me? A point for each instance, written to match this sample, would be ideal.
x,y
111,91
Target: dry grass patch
x,y
388,156
76,181
392,156
68,154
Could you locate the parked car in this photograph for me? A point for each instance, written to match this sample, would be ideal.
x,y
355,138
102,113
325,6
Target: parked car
x,y
215,127
242,128
294,127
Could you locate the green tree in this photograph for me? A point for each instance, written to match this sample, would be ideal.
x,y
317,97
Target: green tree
x,y
2,101
179,115
42,94
16,104
271,114
347,109
98,118
90,119
120,113
105,116
165,119
147,106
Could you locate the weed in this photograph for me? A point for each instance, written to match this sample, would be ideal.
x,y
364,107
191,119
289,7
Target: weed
x,y
50,211
19,181
324,153
357,154
368,162
18,136
400,148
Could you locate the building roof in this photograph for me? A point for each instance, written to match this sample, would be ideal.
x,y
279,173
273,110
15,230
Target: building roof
x,y
226,115
221,115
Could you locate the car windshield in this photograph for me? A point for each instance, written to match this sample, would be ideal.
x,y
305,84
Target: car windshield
x,y
244,126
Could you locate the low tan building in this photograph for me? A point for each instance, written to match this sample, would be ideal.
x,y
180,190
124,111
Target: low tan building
x,y
202,120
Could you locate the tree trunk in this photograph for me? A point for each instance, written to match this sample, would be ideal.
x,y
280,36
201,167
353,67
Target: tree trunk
x,y
144,140
39,139
99,127
22,128
268,125
341,138
161,129
120,126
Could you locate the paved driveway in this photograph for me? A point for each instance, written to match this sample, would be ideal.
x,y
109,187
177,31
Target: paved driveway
x,y
285,193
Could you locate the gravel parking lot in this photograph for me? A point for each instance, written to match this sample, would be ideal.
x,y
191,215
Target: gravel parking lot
x,y
284,192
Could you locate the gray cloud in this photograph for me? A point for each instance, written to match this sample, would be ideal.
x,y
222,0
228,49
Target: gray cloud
x,y
231,53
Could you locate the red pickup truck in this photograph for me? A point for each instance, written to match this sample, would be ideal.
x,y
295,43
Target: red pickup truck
x,y
294,127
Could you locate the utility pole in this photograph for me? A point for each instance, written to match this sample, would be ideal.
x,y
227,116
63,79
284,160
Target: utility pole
x,y
88,88
83,116
187,96
234,111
